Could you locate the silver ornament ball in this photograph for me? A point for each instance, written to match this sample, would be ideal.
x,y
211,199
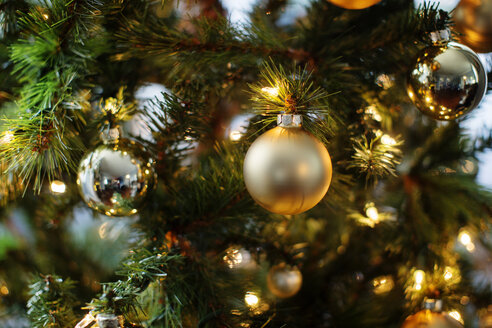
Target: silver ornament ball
x,y
115,177
447,81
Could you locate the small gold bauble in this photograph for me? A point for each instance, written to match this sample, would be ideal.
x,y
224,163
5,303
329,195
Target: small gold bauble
x,y
447,81
115,177
473,21
284,281
287,170
430,319
354,4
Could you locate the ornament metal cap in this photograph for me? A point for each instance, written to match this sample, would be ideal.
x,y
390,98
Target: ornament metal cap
x,y
440,37
105,320
434,305
111,135
289,120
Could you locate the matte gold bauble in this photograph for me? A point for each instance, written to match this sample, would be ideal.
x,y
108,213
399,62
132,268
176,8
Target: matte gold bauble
x,y
287,170
354,4
447,81
284,281
115,177
430,319
473,21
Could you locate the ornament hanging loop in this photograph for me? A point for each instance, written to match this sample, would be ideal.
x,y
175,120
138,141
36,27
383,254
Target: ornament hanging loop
x,y
289,120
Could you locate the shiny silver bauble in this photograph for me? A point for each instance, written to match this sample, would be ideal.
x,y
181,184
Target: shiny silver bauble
x,y
115,178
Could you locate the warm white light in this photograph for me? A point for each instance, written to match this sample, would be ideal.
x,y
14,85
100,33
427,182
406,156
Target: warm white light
x,y
448,274
419,276
7,137
4,290
388,140
372,213
235,135
456,316
273,92
251,299
466,240
58,187
45,16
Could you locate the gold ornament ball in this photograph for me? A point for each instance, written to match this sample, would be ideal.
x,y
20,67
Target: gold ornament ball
x,y
115,178
287,170
354,4
284,281
447,81
430,319
473,21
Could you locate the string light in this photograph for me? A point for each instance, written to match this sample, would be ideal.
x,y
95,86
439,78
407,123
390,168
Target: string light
x,y
372,212
7,137
4,290
465,239
251,299
388,140
273,92
448,274
418,277
58,187
233,258
235,135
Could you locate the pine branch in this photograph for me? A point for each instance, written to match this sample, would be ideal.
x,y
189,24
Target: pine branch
x,y
52,303
50,61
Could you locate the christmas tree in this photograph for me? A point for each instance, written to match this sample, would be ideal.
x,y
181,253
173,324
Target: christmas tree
x,y
166,166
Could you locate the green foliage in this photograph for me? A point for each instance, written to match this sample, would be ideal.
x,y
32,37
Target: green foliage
x,y
52,303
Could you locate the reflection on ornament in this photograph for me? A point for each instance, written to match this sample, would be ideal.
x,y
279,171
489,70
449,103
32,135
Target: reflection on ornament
x,y
86,321
372,212
447,81
58,187
383,284
354,4
486,319
236,258
287,170
456,316
284,281
473,22
116,176
429,319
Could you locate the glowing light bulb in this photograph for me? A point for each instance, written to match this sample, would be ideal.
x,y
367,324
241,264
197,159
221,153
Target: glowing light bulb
x,y
251,299
372,212
235,135
4,290
273,92
7,137
448,274
58,187
388,140
466,240
419,276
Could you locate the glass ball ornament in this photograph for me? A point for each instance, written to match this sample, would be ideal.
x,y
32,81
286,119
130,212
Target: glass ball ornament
x,y
284,281
354,4
287,170
448,79
473,22
116,176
